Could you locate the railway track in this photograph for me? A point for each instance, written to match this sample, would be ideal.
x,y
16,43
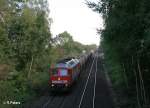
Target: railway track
x,y
54,102
57,101
77,89
92,71
90,91
50,100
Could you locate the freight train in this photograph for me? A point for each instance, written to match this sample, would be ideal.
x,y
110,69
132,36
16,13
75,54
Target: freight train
x,y
66,72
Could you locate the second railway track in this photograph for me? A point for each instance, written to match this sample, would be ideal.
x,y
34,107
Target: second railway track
x,y
90,91
90,88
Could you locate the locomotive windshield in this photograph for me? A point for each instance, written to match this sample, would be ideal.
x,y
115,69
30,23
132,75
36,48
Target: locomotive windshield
x,y
62,72
59,72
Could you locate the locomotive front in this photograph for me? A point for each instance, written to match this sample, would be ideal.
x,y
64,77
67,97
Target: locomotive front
x,y
60,78
62,75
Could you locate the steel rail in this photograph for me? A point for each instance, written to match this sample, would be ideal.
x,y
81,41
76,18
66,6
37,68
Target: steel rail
x,y
76,93
49,101
95,84
85,87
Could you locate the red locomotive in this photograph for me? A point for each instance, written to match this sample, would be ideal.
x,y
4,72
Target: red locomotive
x,y
64,73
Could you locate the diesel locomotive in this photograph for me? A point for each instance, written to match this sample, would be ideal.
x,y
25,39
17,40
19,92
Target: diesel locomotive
x,y
66,72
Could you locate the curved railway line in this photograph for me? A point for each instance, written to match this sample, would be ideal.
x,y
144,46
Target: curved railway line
x,y
60,103
90,91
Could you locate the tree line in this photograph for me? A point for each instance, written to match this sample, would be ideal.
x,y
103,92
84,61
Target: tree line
x,y
126,44
27,49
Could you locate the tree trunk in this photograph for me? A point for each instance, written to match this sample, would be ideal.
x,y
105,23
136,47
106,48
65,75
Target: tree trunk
x,y
136,80
142,82
30,68
125,76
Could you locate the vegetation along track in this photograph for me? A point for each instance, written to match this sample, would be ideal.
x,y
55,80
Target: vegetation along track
x,y
90,91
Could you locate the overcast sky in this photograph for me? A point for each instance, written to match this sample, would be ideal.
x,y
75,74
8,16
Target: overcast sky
x,y
76,18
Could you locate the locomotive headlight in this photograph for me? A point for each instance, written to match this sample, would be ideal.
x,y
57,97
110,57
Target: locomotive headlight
x,y
52,85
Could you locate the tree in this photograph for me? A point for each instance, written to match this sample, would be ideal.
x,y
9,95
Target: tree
x,y
126,44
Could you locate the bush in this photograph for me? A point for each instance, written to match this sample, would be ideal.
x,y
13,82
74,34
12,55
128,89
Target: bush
x,y
39,82
16,90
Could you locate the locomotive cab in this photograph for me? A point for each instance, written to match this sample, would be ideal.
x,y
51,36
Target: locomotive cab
x,y
64,74
60,77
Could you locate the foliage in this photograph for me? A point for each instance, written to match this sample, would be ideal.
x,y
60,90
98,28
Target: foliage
x,y
66,46
25,33
26,50
125,40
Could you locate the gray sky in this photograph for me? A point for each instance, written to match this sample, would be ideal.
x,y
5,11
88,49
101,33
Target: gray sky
x,y
76,18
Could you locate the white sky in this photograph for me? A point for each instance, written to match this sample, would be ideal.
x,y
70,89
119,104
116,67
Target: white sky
x,y
76,18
